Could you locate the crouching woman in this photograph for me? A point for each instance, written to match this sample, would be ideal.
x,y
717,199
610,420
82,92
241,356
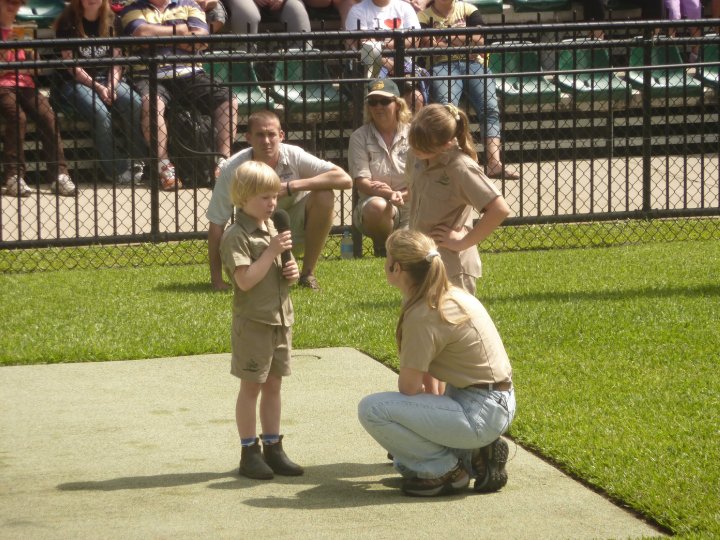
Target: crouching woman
x,y
440,442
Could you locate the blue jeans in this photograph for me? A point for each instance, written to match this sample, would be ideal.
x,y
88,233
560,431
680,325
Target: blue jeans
x,y
480,91
427,434
81,102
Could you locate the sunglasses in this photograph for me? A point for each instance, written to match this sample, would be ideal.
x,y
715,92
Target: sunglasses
x,y
374,102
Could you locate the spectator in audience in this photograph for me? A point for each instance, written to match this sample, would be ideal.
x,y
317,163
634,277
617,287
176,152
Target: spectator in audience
x,y
93,94
245,15
685,9
215,14
387,15
342,7
376,158
185,83
306,194
19,99
480,91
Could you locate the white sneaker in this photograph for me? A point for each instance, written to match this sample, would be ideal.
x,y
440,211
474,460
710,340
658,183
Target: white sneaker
x,y
63,186
15,186
124,178
168,180
137,172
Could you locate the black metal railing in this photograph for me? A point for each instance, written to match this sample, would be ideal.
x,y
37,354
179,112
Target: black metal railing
x,y
625,127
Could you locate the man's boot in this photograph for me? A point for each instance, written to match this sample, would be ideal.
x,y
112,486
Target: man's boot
x,y
252,463
276,457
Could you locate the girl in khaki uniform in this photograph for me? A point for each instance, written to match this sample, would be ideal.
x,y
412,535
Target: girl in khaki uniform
x,y
446,184
439,442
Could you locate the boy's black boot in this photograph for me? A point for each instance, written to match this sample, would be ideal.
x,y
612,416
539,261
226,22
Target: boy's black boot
x,y
276,457
252,463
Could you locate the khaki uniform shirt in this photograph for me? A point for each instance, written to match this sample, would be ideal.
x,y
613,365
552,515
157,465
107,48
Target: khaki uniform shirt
x,y
462,354
444,191
369,156
269,300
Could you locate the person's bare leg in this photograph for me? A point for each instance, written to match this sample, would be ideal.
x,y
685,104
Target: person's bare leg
x,y
495,168
271,405
225,117
246,407
377,220
162,134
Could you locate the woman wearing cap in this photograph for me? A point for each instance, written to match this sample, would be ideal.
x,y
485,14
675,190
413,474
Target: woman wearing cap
x,y
439,443
376,158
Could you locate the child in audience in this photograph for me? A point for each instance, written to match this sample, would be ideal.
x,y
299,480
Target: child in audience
x,y
446,185
19,98
94,93
263,315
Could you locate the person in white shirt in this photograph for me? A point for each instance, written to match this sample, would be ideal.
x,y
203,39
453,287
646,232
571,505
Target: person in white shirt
x,y
379,15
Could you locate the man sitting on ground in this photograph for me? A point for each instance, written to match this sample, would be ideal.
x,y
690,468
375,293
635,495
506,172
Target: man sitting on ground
x,y
307,194
185,82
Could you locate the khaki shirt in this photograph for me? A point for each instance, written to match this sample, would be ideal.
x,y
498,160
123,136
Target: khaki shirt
x,y
269,300
461,354
369,156
444,191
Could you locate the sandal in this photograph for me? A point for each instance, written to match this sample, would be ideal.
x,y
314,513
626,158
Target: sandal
x,y
503,173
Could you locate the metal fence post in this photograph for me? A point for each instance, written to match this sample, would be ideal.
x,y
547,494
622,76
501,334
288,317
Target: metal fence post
x,y
648,43
358,94
153,150
399,62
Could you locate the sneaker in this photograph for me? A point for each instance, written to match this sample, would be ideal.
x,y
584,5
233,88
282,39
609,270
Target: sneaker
x,y
168,180
124,178
450,482
490,467
63,186
138,169
309,281
15,186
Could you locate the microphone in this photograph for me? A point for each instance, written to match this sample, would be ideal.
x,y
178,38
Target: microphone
x,y
281,219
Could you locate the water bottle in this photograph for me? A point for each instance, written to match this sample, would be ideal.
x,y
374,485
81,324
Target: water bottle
x,y
346,246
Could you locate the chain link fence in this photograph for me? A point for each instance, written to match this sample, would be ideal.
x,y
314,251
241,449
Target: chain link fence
x,y
616,140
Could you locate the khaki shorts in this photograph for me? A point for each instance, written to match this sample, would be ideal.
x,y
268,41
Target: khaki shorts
x,y
297,226
259,349
401,216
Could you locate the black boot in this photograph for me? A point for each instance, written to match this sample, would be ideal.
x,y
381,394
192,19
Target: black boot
x,y
490,467
252,464
276,457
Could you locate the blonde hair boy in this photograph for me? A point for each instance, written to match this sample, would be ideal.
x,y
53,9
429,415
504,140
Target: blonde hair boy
x,y
250,179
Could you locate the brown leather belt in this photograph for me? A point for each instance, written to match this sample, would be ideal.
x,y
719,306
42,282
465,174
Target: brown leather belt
x,y
500,386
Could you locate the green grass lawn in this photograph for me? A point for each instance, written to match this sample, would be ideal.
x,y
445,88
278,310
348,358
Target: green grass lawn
x,y
615,350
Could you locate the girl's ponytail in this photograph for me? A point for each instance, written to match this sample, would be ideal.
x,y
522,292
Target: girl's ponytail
x,y
436,125
463,135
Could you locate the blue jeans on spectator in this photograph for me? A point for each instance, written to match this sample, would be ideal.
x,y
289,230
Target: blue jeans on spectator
x,y
480,91
428,434
81,102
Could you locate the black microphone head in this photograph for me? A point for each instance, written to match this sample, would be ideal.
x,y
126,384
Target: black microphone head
x,y
281,219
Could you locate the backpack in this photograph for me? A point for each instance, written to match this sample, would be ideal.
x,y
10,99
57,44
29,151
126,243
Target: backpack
x,y
191,146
